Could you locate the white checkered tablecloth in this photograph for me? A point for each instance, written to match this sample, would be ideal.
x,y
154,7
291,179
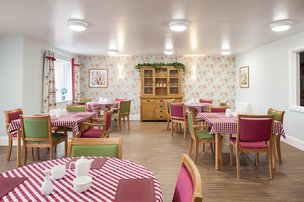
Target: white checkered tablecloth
x,y
103,188
228,125
199,106
101,105
71,120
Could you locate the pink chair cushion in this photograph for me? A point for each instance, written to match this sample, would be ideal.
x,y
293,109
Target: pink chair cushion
x,y
92,133
255,130
217,109
13,116
177,111
14,133
184,186
109,119
250,145
119,99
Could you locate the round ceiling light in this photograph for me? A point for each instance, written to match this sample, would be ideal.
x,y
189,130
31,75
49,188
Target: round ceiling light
x,y
280,26
226,52
77,25
113,51
168,51
178,26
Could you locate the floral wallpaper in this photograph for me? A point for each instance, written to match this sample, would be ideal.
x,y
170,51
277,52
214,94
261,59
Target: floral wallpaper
x,y
211,77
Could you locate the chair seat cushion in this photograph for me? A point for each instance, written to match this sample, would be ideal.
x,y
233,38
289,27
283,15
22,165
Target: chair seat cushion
x,y
56,137
204,135
14,133
249,145
92,133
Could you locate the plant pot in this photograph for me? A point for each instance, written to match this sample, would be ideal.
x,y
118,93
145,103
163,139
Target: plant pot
x,y
63,97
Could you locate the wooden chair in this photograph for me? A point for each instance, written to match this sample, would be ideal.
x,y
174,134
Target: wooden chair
x,y
37,133
218,109
199,134
106,147
278,116
89,130
178,116
254,134
11,115
205,101
123,112
76,108
188,186
167,106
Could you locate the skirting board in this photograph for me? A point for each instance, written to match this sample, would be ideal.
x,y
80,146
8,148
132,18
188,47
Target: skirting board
x,y
293,141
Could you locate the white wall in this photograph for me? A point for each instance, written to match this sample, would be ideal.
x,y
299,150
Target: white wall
x,y
11,61
269,82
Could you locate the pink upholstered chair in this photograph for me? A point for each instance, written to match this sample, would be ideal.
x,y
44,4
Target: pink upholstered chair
x,y
254,134
178,116
219,109
119,99
188,185
89,130
205,101
11,115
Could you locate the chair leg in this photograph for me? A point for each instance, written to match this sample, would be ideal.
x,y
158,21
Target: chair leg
x,y
270,162
231,153
9,148
185,130
278,146
196,145
203,147
124,119
32,151
118,123
171,128
212,148
257,156
168,123
191,142
238,169
24,154
51,152
128,119
38,155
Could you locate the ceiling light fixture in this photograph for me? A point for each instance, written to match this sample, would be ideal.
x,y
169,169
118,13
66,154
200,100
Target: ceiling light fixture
x,y
226,52
280,26
77,25
113,51
178,26
168,51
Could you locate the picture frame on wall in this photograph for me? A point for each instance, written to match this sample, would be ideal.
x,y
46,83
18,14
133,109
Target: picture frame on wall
x,y
98,78
244,77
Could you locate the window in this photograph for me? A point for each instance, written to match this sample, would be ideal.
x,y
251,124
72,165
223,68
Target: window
x,y
63,80
297,79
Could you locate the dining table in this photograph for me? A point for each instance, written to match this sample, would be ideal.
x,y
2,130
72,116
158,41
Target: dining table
x,y
200,107
113,180
102,105
223,125
70,120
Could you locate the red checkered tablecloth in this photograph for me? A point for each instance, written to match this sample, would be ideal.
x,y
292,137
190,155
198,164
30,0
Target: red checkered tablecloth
x,y
228,125
71,120
101,105
103,188
199,106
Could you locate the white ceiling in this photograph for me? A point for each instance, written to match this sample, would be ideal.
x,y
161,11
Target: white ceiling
x,y
140,27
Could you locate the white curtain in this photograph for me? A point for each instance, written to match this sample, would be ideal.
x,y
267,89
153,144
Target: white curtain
x,y
49,90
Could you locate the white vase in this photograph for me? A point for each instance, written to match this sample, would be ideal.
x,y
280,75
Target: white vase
x,y
47,186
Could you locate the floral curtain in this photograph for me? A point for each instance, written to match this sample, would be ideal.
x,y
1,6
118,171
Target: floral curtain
x,y
76,79
49,90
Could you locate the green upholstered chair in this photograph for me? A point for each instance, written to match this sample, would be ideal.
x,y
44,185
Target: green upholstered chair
x,y
199,134
167,105
122,112
278,116
106,147
76,108
37,132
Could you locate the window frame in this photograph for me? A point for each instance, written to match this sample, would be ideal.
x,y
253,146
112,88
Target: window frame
x,y
294,79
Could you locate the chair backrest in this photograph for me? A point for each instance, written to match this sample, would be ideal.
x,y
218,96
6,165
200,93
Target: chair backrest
x,y
177,110
76,108
278,115
119,99
167,105
107,118
11,115
223,104
218,109
36,128
205,101
124,107
254,128
106,147
85,100
191,122
188,185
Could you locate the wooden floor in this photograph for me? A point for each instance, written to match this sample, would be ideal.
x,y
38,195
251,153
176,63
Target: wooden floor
x,y
149,144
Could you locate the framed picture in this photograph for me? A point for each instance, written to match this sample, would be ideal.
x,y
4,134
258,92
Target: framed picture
x,y
98,78
244,77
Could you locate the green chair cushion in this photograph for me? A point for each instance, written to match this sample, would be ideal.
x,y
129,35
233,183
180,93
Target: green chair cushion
x,y
204,135
76,109
56,137
96,150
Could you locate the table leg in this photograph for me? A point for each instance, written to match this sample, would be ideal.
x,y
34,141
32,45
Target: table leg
x,y
18,148
218,150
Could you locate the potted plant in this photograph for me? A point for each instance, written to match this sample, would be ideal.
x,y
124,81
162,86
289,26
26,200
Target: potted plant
x,y
63,92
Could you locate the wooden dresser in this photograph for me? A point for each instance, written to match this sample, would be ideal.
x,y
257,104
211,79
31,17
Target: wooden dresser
x,y
158,85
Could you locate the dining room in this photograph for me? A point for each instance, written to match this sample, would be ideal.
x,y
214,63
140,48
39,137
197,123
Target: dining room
x,y
151,100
